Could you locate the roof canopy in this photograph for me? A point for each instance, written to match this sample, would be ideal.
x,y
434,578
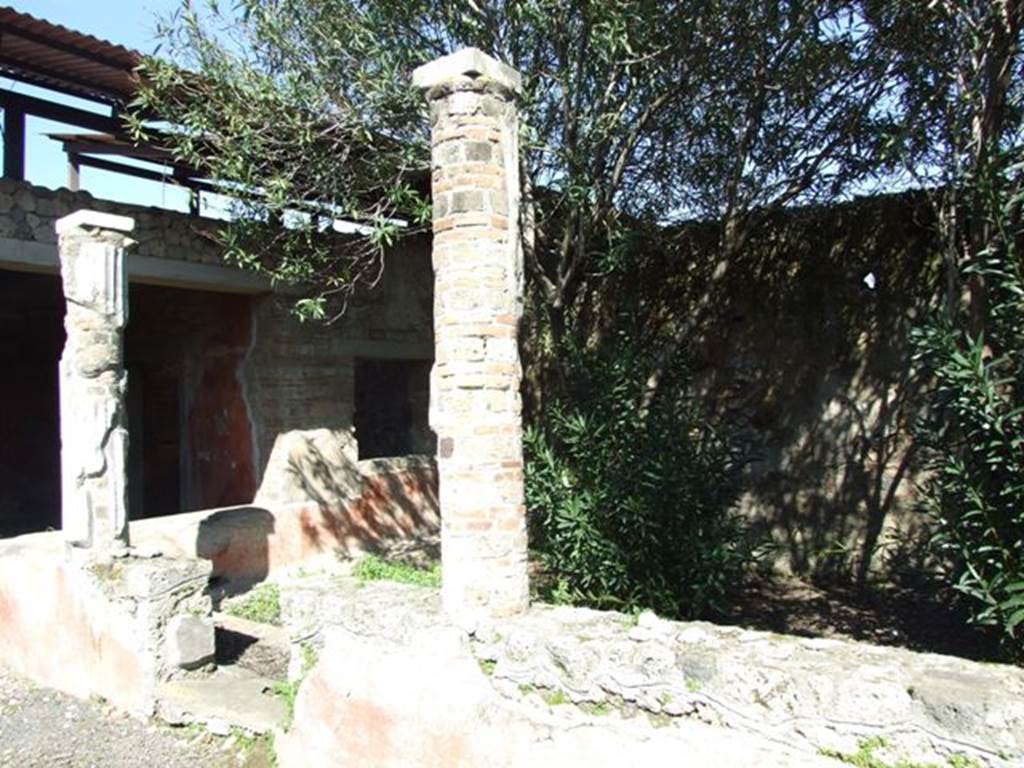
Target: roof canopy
x,y
41,53
50,55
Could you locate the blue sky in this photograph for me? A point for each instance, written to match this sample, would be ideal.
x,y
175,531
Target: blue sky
x,y
130,23
127,22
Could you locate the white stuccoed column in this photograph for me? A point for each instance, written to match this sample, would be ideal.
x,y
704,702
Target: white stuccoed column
x,y
475,403
93,418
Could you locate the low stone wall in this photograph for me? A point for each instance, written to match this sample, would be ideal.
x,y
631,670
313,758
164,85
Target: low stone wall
x,y
28,212
389,500
114,630
396,685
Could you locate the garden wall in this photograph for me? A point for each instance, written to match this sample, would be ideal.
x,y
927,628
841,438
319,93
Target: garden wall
x,y
800,345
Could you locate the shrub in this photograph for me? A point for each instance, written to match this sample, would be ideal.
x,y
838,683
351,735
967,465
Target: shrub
x,y
630,505
974,436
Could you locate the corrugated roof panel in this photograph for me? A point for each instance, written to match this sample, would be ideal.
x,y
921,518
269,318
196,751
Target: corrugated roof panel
x,y
54,56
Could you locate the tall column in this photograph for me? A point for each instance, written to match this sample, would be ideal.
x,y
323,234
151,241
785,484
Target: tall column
x,y
475,404
93,419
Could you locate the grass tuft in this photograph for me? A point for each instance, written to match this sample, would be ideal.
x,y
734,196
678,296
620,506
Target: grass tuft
x,y
555,698
374,568
866,757
261,604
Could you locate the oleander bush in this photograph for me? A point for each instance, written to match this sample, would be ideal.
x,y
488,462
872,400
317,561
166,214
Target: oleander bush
x,y
631,502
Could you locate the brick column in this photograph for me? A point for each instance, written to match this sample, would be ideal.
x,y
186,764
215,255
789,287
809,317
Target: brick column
x,y
93,419
475,405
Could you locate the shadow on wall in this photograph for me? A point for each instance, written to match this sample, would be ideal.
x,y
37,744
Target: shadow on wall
x,y
801,347
237,542
363,506
337,510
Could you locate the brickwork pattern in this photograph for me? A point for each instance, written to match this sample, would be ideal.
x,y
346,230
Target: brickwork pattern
x,y
475,399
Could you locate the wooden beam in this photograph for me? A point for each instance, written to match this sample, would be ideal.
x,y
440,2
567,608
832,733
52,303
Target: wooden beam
x,y
142,173
143,152
61,113
74,172
14,143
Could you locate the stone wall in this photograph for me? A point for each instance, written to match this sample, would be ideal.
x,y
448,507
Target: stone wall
x,y
299,378
386,502
807,366
28,213
395,685
812,367
98,629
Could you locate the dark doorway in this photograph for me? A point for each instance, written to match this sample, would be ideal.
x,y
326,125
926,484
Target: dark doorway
x,y
155,448
31,340
190,441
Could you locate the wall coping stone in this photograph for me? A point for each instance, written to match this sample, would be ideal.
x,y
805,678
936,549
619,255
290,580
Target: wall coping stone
x,y
469,62
96,219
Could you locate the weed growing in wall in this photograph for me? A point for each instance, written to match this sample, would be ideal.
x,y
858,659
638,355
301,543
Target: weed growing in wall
x,y
288,691
872,753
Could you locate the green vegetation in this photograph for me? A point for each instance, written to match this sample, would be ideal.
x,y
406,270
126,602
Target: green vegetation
x,y
306,109
487,666
555,697
262,604
287,692
596,708
974,439
659,720
311,104
374,568
630,498
107,573
971,349
251,742
866,757
290,689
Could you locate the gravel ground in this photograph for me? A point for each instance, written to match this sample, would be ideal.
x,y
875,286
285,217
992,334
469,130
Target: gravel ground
x,y
40,728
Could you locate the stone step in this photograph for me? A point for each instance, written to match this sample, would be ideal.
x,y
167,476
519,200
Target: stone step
x,y
260,648
231,696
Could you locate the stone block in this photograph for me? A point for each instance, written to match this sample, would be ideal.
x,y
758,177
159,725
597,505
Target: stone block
x,y
479,152
190,641
467,62
153,578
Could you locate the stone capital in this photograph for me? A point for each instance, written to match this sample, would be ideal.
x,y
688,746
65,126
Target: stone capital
x,y
469,62
94,220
